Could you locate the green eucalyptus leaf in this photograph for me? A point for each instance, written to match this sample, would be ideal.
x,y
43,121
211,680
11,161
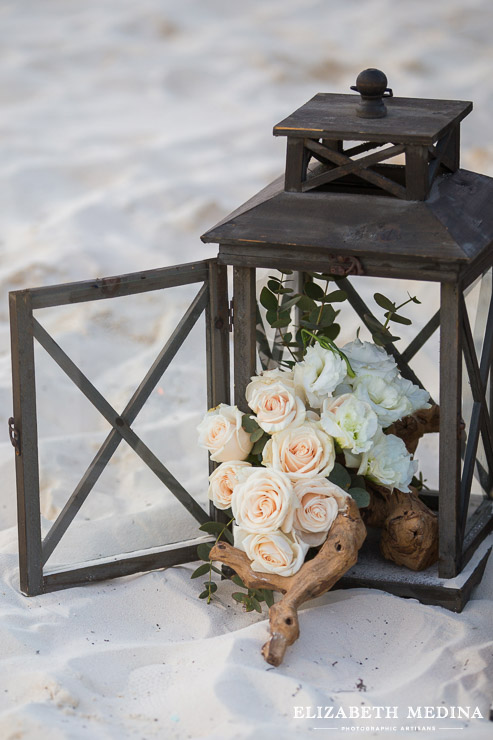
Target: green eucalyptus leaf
x,y
239,597
384,302
237,581
248,423
358,481
204,594
332,332
336,296
287,338
228,535
203,550
274,285
281,322
284,290
324,317
398,319
340,476
212,528
306,304
256,435
268,596
201,570
313,290
271,315
254,602
415,300
286,272
361,496
259,445
268,299
211,586
292,302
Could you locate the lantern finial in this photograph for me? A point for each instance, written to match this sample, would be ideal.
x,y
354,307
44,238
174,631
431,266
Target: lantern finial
x,y
372,85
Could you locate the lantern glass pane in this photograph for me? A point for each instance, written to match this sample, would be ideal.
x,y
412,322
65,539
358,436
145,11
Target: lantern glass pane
x,y
114,343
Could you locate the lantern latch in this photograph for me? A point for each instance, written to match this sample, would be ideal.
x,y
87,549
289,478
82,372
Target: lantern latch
x,y
231,315
15,436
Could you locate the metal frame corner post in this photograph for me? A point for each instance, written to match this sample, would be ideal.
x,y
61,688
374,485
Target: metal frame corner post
x,y
26,459
450,544
245,345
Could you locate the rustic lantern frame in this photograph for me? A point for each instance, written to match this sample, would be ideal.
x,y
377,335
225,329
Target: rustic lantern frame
x,y
341,210
212,298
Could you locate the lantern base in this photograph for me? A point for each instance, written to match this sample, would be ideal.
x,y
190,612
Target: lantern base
x,y
373,571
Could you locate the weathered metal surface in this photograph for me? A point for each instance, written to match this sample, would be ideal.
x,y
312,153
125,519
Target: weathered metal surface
x,y
212,297
26,463
450,543
409,120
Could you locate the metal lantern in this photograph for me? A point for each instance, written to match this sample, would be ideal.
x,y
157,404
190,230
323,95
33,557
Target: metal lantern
x,y
341,208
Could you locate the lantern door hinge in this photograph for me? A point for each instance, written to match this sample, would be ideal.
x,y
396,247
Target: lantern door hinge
x,y
15,436
231,315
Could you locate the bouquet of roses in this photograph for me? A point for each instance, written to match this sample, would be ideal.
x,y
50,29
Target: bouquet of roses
x,y
315,434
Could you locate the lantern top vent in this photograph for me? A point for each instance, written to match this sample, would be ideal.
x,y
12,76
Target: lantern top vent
x,y
408,120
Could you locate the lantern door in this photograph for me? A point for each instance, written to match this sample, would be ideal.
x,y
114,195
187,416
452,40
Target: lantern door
x,y
110,479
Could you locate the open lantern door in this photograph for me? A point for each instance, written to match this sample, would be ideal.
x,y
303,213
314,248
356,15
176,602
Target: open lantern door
x,y
154,537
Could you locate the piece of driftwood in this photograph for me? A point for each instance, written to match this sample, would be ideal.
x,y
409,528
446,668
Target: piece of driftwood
x,y
411,428
338,553
409,527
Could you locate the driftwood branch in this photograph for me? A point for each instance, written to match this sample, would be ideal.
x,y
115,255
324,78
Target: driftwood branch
x,y
409,527
338,553
411,428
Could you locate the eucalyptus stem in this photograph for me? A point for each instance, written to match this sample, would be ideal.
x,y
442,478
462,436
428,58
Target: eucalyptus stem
x,y
285,344
397,308
209,582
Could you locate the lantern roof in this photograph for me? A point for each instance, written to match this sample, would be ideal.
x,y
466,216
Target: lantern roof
x,y
369,176
454,224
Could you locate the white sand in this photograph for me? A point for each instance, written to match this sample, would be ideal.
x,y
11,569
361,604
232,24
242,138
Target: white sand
x,y
127,129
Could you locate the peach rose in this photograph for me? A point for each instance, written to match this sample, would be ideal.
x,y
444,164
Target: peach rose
x,y
264,501
320,502
222,482
275,403
300,452
221,433
271,552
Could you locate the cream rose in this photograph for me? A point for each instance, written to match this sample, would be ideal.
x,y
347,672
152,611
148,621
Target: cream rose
x,y
221,433
222,482
320,372
351,422
300,452
388,463
264,501
275,404
320,502
367,358
271,552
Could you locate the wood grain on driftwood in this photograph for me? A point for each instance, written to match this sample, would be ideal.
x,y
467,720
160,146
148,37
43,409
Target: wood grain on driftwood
x,y
338,553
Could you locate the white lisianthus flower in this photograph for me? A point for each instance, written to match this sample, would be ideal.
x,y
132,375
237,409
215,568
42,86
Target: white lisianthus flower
x,y
300,452
388,463
221,433
320,502
351,422
385,397
222,482
319,373
275,403
367,358
271,552
417,397
264,501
